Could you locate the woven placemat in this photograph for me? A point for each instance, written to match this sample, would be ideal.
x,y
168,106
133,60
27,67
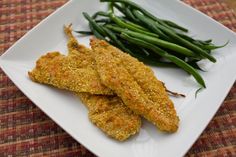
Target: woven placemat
x,y
26,131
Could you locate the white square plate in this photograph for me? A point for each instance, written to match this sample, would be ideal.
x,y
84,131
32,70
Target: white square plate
x,y
68,112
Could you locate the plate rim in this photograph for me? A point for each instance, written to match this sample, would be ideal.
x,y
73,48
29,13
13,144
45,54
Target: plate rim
x,y
55,12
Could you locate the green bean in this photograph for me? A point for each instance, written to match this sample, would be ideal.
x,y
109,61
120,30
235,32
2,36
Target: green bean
x,y
151,25
84,32
187,43
194,41
130,24
134,25
125,25
153,40
153,62
146,59
113,37
130,14
124,10
208,41
164,54
137,26
94,24
118,7
162,43
186,37
200,43
134,5
95,33
213,47
145,12
100,13
103,21
174,25
161,22
110,7
195,65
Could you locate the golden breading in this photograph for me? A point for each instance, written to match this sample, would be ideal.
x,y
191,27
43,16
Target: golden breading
x,y
152,87
63,72
75,48
107,112
134,90
110,115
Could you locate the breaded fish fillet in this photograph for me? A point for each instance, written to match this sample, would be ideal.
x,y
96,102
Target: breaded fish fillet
x,y
67,73
110,115
152,87
75,72
79,50
107,112
130,80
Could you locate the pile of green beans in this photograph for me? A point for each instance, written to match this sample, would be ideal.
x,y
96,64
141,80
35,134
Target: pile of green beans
x,y
150,39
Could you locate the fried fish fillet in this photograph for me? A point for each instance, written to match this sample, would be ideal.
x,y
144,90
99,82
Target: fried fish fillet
x,y
63,72
152,87
74,72
135,84
107,112
74,48
110,115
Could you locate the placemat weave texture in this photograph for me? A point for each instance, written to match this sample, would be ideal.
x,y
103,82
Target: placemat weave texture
x,y
26,131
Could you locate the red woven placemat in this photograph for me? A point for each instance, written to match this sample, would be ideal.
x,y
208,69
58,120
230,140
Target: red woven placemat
x,y
27,131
